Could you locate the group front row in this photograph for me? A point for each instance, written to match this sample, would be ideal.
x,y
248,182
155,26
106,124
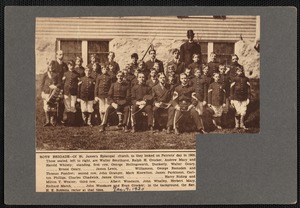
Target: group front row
x,y
129,98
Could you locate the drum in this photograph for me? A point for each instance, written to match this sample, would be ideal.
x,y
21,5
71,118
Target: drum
x,y
54,96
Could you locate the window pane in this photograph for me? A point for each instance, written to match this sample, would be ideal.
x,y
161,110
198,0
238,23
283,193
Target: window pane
x,y
204,46
100,48
224,52
71,49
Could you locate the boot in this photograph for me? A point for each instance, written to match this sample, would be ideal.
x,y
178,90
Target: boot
x,y
84,118
176,131
237,122
47,123
126,129
120,121
53,118
89,119
215,121
102,128
151,129
72,119
133,129
242,123
168,130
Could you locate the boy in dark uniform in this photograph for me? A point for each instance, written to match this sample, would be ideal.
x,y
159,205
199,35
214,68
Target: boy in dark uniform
x,y
50,82
162,95
134,81
141,97
239,96
134,64
127,76
70,80
189,74
119,100
78,67
196,63
183,101
206,78
225,82
213,65
200,90
179,66
93,58
102,86
95,70
234,66
86,96
152,78
114,66
216,99
142,68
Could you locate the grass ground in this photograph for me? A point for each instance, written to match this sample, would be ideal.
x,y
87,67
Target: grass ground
x,y
89,138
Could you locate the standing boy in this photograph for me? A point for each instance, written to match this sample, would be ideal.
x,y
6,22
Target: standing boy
x,y
70,80
102,86
239,95
114,65
216,99
200,90
179,66
50,82
86,96
196,63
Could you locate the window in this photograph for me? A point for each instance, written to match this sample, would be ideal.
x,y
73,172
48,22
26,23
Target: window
x,y
84,48
71,49
224,51
204,51
100,48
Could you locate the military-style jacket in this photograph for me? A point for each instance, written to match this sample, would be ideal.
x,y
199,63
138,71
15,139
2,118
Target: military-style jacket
x,y
206,79
60,69
94,74
102,86
195,65
70,80
225,81
213,67
47,81
139,91
200,88
232,71
162,94
133,66
179,66
240,88
216,94
86,88
187,50
115,65
149,65
80,71
151,83
128,78
119,93
184,95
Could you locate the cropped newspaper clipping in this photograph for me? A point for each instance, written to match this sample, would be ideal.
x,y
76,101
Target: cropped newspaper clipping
x,y
120,101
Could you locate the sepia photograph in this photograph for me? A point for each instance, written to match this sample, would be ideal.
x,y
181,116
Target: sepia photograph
x,y
145,82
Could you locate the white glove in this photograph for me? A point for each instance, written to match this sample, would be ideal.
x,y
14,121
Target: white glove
x,y
204,103
52,87
248,101
157,105
190,107
114,105
177,107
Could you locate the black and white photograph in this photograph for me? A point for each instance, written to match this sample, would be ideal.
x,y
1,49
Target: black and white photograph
x,y
145,82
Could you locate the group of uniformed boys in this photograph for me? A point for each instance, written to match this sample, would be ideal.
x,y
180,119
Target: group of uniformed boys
x,y
185,87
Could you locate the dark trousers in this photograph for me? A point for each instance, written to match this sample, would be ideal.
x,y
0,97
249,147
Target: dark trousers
x,y
60,110
194,114
147,109
157,113
121,109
